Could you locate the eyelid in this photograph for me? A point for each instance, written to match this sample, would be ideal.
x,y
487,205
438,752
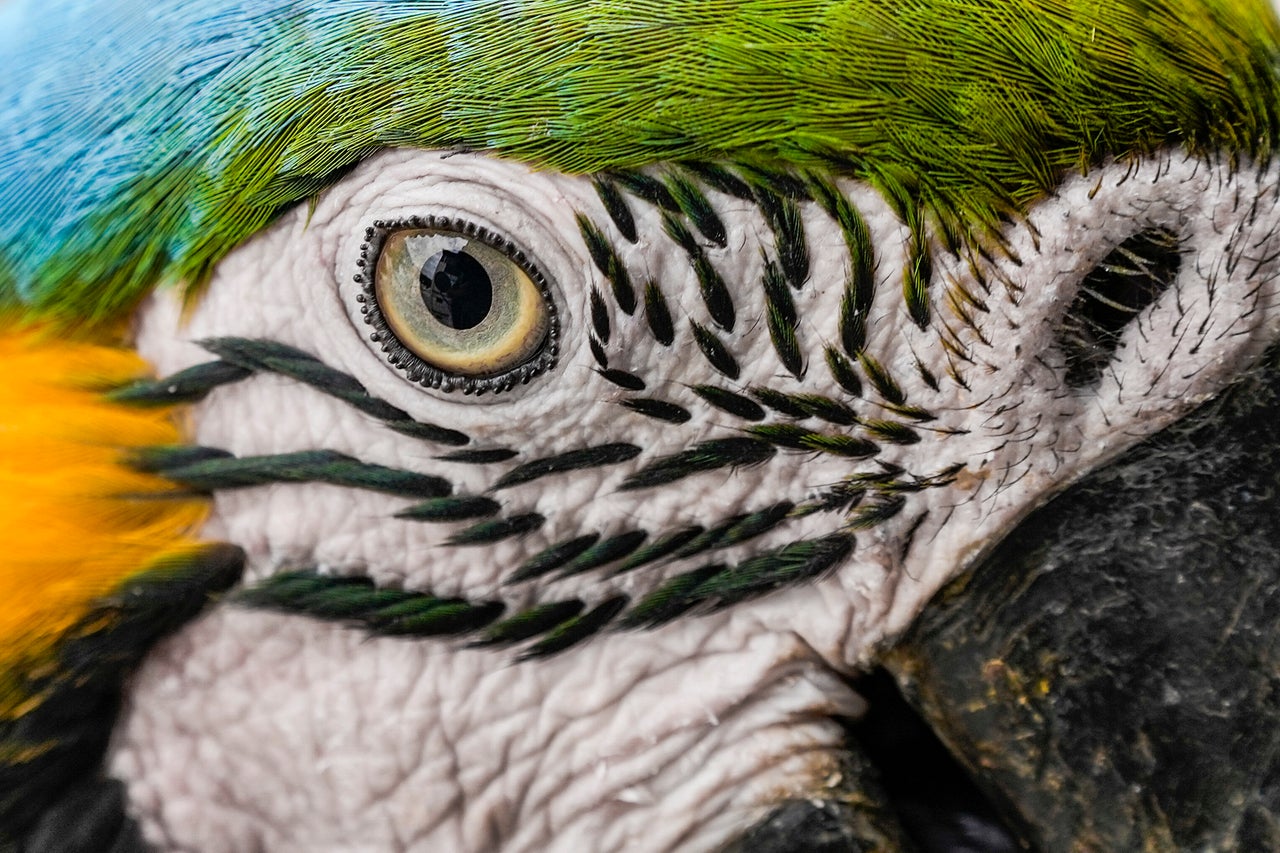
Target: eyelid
x,y
517,340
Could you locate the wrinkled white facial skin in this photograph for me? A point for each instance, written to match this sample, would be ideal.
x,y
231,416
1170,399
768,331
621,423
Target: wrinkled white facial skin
x,y
253,730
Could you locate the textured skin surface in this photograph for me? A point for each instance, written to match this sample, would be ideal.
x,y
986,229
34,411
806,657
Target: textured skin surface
x,y
260,731
1111,668
144,139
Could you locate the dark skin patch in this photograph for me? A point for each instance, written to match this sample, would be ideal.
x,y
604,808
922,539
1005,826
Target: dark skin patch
x,y
1105,670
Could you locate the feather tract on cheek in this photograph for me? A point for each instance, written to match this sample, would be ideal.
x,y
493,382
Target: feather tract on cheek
x,y
100,562
580,438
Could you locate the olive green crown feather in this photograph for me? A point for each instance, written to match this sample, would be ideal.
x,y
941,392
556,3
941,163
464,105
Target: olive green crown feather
x,y
143,142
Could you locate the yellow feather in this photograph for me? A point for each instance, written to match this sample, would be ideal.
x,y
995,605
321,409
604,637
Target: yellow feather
x,y
74,521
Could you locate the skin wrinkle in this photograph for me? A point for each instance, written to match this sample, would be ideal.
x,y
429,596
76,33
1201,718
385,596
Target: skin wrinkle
x,y
565,733
723,787
626,689
725,718
743,781
758,701
200,126
488,774
457,804
737,705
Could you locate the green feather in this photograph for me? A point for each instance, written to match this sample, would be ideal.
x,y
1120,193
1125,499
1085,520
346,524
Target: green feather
x,y
968,111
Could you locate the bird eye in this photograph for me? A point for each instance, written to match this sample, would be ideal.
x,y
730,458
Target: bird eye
x,y
456,307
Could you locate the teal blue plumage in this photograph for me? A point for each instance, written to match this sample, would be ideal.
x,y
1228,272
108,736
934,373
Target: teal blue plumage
x,y
143,141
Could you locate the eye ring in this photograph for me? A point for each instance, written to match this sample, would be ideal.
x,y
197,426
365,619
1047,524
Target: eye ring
x,y
412,364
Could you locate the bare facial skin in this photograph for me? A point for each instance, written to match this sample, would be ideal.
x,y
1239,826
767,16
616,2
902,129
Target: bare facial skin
x,y
255,729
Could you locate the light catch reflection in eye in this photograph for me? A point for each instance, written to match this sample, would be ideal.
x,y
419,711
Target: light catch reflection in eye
x,y
455,288
456,307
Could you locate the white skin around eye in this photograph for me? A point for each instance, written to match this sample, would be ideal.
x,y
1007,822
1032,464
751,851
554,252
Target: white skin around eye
x,y
262,730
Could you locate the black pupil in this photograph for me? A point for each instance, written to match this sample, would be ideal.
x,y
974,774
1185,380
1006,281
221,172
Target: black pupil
x,y
456,289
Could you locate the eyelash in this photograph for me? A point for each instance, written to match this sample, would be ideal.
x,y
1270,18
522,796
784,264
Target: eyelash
x,y
399,356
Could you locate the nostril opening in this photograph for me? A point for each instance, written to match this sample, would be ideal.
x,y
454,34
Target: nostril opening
x,y
1115,292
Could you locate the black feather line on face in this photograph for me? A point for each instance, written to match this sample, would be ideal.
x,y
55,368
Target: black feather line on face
x,y
658,315
623,379
698,208
658,409
244,357
782,321
480,457
598,353
789,186
604,553
552,558
682,204
891,431
660,548
715,293
789,241
704,456
609,264
915,280
531,623
672,599
460,508
715,350
488,532
731,402
573,460
857,238
842,371
577,629
358,602
853,324
599,316
209,470
880,379
186,386
718,586
648,188
616,206
719,178
798,438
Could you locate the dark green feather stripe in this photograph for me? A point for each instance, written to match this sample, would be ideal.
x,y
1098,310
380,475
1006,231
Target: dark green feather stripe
x,y
609,263
186,386
243,357
616,206
206,469
576,629
556,625
356,601
51,787
573,460
695,205
718,586
715,293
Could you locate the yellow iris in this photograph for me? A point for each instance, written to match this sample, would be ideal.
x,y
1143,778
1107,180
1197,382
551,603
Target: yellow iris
x,y
459,304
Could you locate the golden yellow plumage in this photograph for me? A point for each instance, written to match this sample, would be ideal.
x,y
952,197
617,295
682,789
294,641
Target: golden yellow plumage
x,y
72,539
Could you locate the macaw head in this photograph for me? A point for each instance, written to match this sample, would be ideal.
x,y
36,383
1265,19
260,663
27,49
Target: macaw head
x,y
548,404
